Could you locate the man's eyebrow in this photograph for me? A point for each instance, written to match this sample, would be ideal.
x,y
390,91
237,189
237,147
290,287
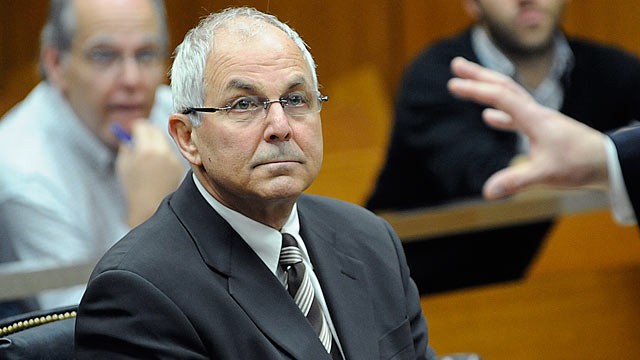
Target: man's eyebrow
x,y
107,40
239,84
298,81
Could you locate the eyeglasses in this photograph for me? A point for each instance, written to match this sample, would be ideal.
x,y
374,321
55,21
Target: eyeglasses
x,y
108,59
250,108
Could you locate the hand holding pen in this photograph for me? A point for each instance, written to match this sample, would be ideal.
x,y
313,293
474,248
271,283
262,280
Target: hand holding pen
x,y
123,136
147,171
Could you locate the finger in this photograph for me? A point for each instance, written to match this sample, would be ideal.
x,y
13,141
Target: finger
x,y
124,149
483,92
486,86
138,132
510,180
146,134
505,95
498,119
466,69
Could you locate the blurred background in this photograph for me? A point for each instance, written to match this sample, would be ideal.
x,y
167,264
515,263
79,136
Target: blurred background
x,y
361,48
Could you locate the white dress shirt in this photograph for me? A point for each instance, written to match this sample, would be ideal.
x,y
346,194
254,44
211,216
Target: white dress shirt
x,y
619,198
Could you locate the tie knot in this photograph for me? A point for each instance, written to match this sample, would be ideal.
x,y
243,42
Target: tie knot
x,y
288,240
290,253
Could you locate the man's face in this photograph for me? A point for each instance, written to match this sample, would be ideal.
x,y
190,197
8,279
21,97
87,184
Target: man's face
x,y
260,162
114,65
521,27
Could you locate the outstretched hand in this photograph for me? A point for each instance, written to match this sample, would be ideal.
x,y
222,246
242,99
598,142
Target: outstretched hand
x,y
562,151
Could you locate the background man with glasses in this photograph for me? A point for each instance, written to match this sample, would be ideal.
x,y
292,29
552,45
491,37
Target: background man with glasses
x,y
238,263
82,158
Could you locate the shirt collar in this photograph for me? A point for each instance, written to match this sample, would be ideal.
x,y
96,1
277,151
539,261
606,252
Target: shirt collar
x,y
491,57
264,240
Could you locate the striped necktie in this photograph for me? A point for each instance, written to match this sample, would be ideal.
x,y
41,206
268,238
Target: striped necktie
x,y
298,284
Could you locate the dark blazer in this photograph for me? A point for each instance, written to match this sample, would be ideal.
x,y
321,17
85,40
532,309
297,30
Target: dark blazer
x,y
185,285
628,145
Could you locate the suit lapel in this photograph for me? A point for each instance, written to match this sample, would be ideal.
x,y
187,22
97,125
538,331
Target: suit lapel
x,y
251,283
269,305
344,286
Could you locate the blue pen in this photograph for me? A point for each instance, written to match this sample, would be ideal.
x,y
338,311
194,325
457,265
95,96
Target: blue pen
x,y
121,134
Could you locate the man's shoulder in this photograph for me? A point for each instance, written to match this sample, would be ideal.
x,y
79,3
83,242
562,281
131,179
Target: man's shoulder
x,y
441,51
328,203
26,112
336,212
25,150
30,150
152,244
430,69
589,51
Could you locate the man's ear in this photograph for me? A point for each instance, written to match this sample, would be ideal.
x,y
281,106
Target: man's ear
x,y
185,137
472,8
53,66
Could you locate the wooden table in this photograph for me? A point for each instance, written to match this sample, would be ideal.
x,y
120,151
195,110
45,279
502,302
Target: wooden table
x,y
480,214
592,314
19,280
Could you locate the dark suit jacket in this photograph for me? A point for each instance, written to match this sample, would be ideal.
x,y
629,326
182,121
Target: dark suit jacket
x,y
185,285
628,145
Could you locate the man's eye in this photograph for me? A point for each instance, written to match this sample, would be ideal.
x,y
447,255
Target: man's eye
x,y
244,104
147,56
296,99
102,57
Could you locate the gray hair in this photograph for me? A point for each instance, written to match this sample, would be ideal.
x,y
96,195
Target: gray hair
x,y
60,27
188,80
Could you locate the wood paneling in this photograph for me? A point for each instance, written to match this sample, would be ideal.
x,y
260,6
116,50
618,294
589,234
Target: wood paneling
x,y
343,35
578,315
20,24
428,21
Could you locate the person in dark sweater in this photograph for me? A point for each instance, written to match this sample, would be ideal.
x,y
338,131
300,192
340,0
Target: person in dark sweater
x,y
442,152
577,156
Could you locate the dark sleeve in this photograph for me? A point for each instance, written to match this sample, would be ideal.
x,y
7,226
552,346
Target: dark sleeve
x,y
448,136
628,146
419,332
603,90
112,324
440,148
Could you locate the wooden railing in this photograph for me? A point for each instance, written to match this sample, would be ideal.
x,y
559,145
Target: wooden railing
x,y
479,214
19,280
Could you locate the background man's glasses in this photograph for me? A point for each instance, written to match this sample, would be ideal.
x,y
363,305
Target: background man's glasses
x,y
106,59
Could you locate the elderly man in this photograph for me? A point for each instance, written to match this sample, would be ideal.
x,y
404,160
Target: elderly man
x,y
238,263
84,157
